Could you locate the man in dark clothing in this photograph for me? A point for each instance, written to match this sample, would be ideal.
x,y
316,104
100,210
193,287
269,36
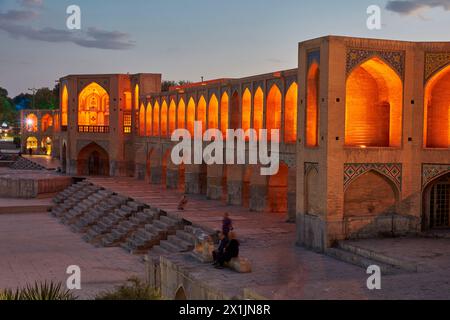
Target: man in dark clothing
x,y
227,224
231,251
223,242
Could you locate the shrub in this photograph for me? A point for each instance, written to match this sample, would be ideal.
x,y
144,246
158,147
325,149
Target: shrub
x,y
135,289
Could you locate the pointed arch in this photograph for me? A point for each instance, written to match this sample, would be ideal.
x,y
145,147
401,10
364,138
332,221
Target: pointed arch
x,y
224,101
374,106
437,110
148,120
290,114
142,120
181,122
156,126
64,106
164,119
172,117
190,116
246,109
213,113
93,106
258,110
136,97
201,112
93,160
273,112
46,122
312,106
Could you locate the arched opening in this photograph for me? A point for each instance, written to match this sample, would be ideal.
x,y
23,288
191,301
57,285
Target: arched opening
x,y
180,294
312,106
273,113
373,110
190,116
437,110
436,200
290,114
235,121
64,106
136,97
142,114
172,117
93,106
213,113
93,160
148,120
164,119
156,119
366,198
224,113
64,158
277,190
246,187
201,112
128,101
181,114
46,122
46,146
32,143
31,123
246,109
258,110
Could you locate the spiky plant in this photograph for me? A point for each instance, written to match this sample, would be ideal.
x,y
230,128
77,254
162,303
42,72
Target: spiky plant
x,y
39,291
135,289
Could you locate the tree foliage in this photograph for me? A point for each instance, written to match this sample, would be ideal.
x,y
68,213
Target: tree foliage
x,y
166,84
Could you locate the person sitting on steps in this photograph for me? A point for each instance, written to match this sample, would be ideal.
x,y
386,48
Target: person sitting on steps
x,y
183,203
231,251
223,241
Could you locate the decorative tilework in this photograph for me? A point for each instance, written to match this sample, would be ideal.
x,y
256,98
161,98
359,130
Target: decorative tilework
x,y
393,171
396,59
435,61
431,171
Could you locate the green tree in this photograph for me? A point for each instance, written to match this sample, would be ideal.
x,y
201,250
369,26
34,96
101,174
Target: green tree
x,y
45,99
8,112
166,84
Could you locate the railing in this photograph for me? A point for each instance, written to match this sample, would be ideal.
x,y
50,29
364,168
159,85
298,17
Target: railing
x,y
93,129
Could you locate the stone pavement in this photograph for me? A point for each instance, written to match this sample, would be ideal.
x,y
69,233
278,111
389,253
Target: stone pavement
x,y
35,247
280,269
46,161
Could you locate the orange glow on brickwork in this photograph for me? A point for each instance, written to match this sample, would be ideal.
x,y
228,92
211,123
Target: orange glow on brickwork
x,y
64,106
312,107
136,97
181,114
190,115
213,113
156,119
246,109
31,123
148,120
128,100
172,117
142,120
46,122
258,110
437,110
290,114
273,113
164,114
201,112
224,113
373,113
234,112
93,106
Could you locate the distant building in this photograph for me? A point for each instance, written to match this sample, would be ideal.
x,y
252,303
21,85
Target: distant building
x,y
39,130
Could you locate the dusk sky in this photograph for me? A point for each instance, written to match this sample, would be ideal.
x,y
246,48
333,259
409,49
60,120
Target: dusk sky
x,y
187,39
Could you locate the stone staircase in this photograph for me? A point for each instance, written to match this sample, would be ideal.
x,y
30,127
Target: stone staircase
x,y
364,258
25,164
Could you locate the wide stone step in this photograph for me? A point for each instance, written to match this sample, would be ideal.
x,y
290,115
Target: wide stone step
x,y
188,237
360,261
159,251
182,244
